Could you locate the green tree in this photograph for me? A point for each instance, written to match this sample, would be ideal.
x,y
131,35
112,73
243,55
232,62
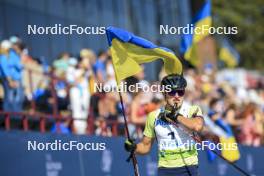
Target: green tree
x,y
248,17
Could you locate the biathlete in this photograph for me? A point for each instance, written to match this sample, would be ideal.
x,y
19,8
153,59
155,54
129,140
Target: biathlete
x,y
177,154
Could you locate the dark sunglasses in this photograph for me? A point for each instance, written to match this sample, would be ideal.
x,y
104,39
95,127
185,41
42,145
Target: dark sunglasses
x,y
180,92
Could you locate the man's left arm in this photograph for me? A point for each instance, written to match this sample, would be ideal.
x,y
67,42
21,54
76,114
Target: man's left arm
x,y
194,123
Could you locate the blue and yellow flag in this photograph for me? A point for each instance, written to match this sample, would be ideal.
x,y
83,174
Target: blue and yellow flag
x,y
129,51
230,148
202,20
228,54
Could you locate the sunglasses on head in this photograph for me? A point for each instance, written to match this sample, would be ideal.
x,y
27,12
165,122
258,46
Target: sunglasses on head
x,y
180,92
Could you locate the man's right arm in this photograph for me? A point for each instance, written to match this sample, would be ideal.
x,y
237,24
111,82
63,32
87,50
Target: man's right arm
x,y
149,135
144,146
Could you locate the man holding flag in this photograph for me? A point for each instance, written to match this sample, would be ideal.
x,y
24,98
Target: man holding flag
x,y
177,155
128,52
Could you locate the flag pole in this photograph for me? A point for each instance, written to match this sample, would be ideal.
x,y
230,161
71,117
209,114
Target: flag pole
x,y
132,154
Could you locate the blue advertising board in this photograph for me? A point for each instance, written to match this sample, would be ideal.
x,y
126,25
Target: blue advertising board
x,y
31,154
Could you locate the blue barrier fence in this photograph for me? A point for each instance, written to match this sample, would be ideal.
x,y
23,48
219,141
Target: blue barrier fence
x,y
101,156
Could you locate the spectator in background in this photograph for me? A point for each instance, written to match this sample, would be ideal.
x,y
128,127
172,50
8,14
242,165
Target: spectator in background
x,y
108,111
11,76
42,97
61,92
230,116
155,103
138,114
252,126
44,100
32,73
110,72
89,55
62,63
80,95
70,73
100,67
21,49
143,85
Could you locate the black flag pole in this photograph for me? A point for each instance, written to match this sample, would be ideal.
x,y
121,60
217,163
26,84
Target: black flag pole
x,y
132,154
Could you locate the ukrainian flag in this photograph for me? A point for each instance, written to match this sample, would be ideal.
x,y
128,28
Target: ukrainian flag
x,y
129,51
201,20
230,148
229,55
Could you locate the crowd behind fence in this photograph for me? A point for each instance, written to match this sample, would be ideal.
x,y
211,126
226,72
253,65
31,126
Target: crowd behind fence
x,y
62,97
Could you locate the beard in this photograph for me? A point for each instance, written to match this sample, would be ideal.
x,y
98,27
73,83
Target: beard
x,y
174,104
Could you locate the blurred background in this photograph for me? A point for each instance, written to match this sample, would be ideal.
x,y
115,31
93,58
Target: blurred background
x,y
47,83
